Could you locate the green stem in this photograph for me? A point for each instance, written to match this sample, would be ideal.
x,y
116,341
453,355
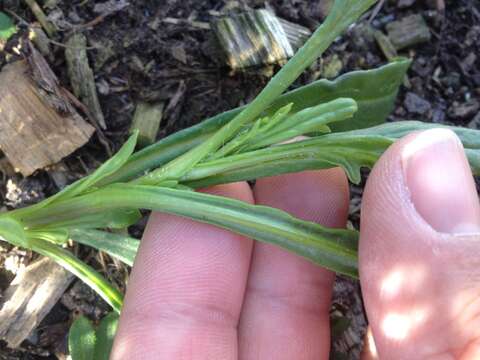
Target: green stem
x,y
92,278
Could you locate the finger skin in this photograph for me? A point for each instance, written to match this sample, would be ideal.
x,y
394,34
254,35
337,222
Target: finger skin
x,y
286,309
421,287
186,289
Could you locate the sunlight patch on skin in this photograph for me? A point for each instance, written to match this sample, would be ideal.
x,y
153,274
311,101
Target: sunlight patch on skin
x,y
399,279
399,326
392,283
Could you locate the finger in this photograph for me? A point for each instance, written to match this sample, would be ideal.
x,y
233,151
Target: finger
x,y
419,246
186,289
285,313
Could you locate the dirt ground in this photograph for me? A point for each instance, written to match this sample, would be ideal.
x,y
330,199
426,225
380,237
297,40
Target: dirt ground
x,y
163,51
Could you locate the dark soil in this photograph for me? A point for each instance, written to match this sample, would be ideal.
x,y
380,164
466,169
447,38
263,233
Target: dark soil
x,y
160,51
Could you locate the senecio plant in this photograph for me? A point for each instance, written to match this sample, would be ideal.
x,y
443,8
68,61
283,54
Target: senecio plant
x,y
343,121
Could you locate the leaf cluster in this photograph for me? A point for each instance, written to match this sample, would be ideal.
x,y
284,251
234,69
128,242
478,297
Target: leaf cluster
x,y
341,122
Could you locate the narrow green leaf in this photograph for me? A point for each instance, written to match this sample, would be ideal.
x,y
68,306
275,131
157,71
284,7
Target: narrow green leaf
x,y
81,339
12,231
105,334
88,275
351,150
396,130
55,236
332,248
373,90
112,219
258,129
119,246
316,119
105,170
7,28
470,138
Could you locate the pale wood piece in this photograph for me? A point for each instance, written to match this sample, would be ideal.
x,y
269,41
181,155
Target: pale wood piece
x,y
32,133
258,37
147,120
385,45
82,78
29,298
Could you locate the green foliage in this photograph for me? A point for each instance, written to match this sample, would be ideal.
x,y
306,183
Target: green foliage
x,y
87,343
351,150
88,275
105,334
7,28
332,248
121,247
343,119
374,91
88,183
81,339
13,232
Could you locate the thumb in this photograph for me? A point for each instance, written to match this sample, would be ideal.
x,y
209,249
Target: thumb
x,y
420,250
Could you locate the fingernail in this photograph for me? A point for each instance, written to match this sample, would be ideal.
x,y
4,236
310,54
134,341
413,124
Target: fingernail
x,y
440,182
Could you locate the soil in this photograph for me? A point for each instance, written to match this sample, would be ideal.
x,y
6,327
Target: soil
x,y
138,55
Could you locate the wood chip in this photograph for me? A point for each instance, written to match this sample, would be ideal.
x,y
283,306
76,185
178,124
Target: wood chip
x,y
385,45
147,120
258,37
33,134
29,298
297,35
81,77
409,31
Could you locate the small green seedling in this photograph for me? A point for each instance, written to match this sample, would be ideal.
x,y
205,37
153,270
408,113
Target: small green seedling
x,y
7,27
344,121
87,343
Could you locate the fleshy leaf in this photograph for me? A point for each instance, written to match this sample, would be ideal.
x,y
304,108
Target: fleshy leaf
x,y
13,232
105,334
7,27
112,219
81,339
332,248
119,246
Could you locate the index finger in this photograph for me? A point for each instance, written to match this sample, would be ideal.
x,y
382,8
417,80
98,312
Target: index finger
x,y
186,289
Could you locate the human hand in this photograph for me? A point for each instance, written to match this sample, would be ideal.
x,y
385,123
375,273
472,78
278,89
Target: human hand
x,y
200,292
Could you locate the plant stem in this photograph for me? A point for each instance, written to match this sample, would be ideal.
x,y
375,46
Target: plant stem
x,y
92,278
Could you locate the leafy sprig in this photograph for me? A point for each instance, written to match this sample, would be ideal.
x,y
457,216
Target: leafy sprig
x,y
343,124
